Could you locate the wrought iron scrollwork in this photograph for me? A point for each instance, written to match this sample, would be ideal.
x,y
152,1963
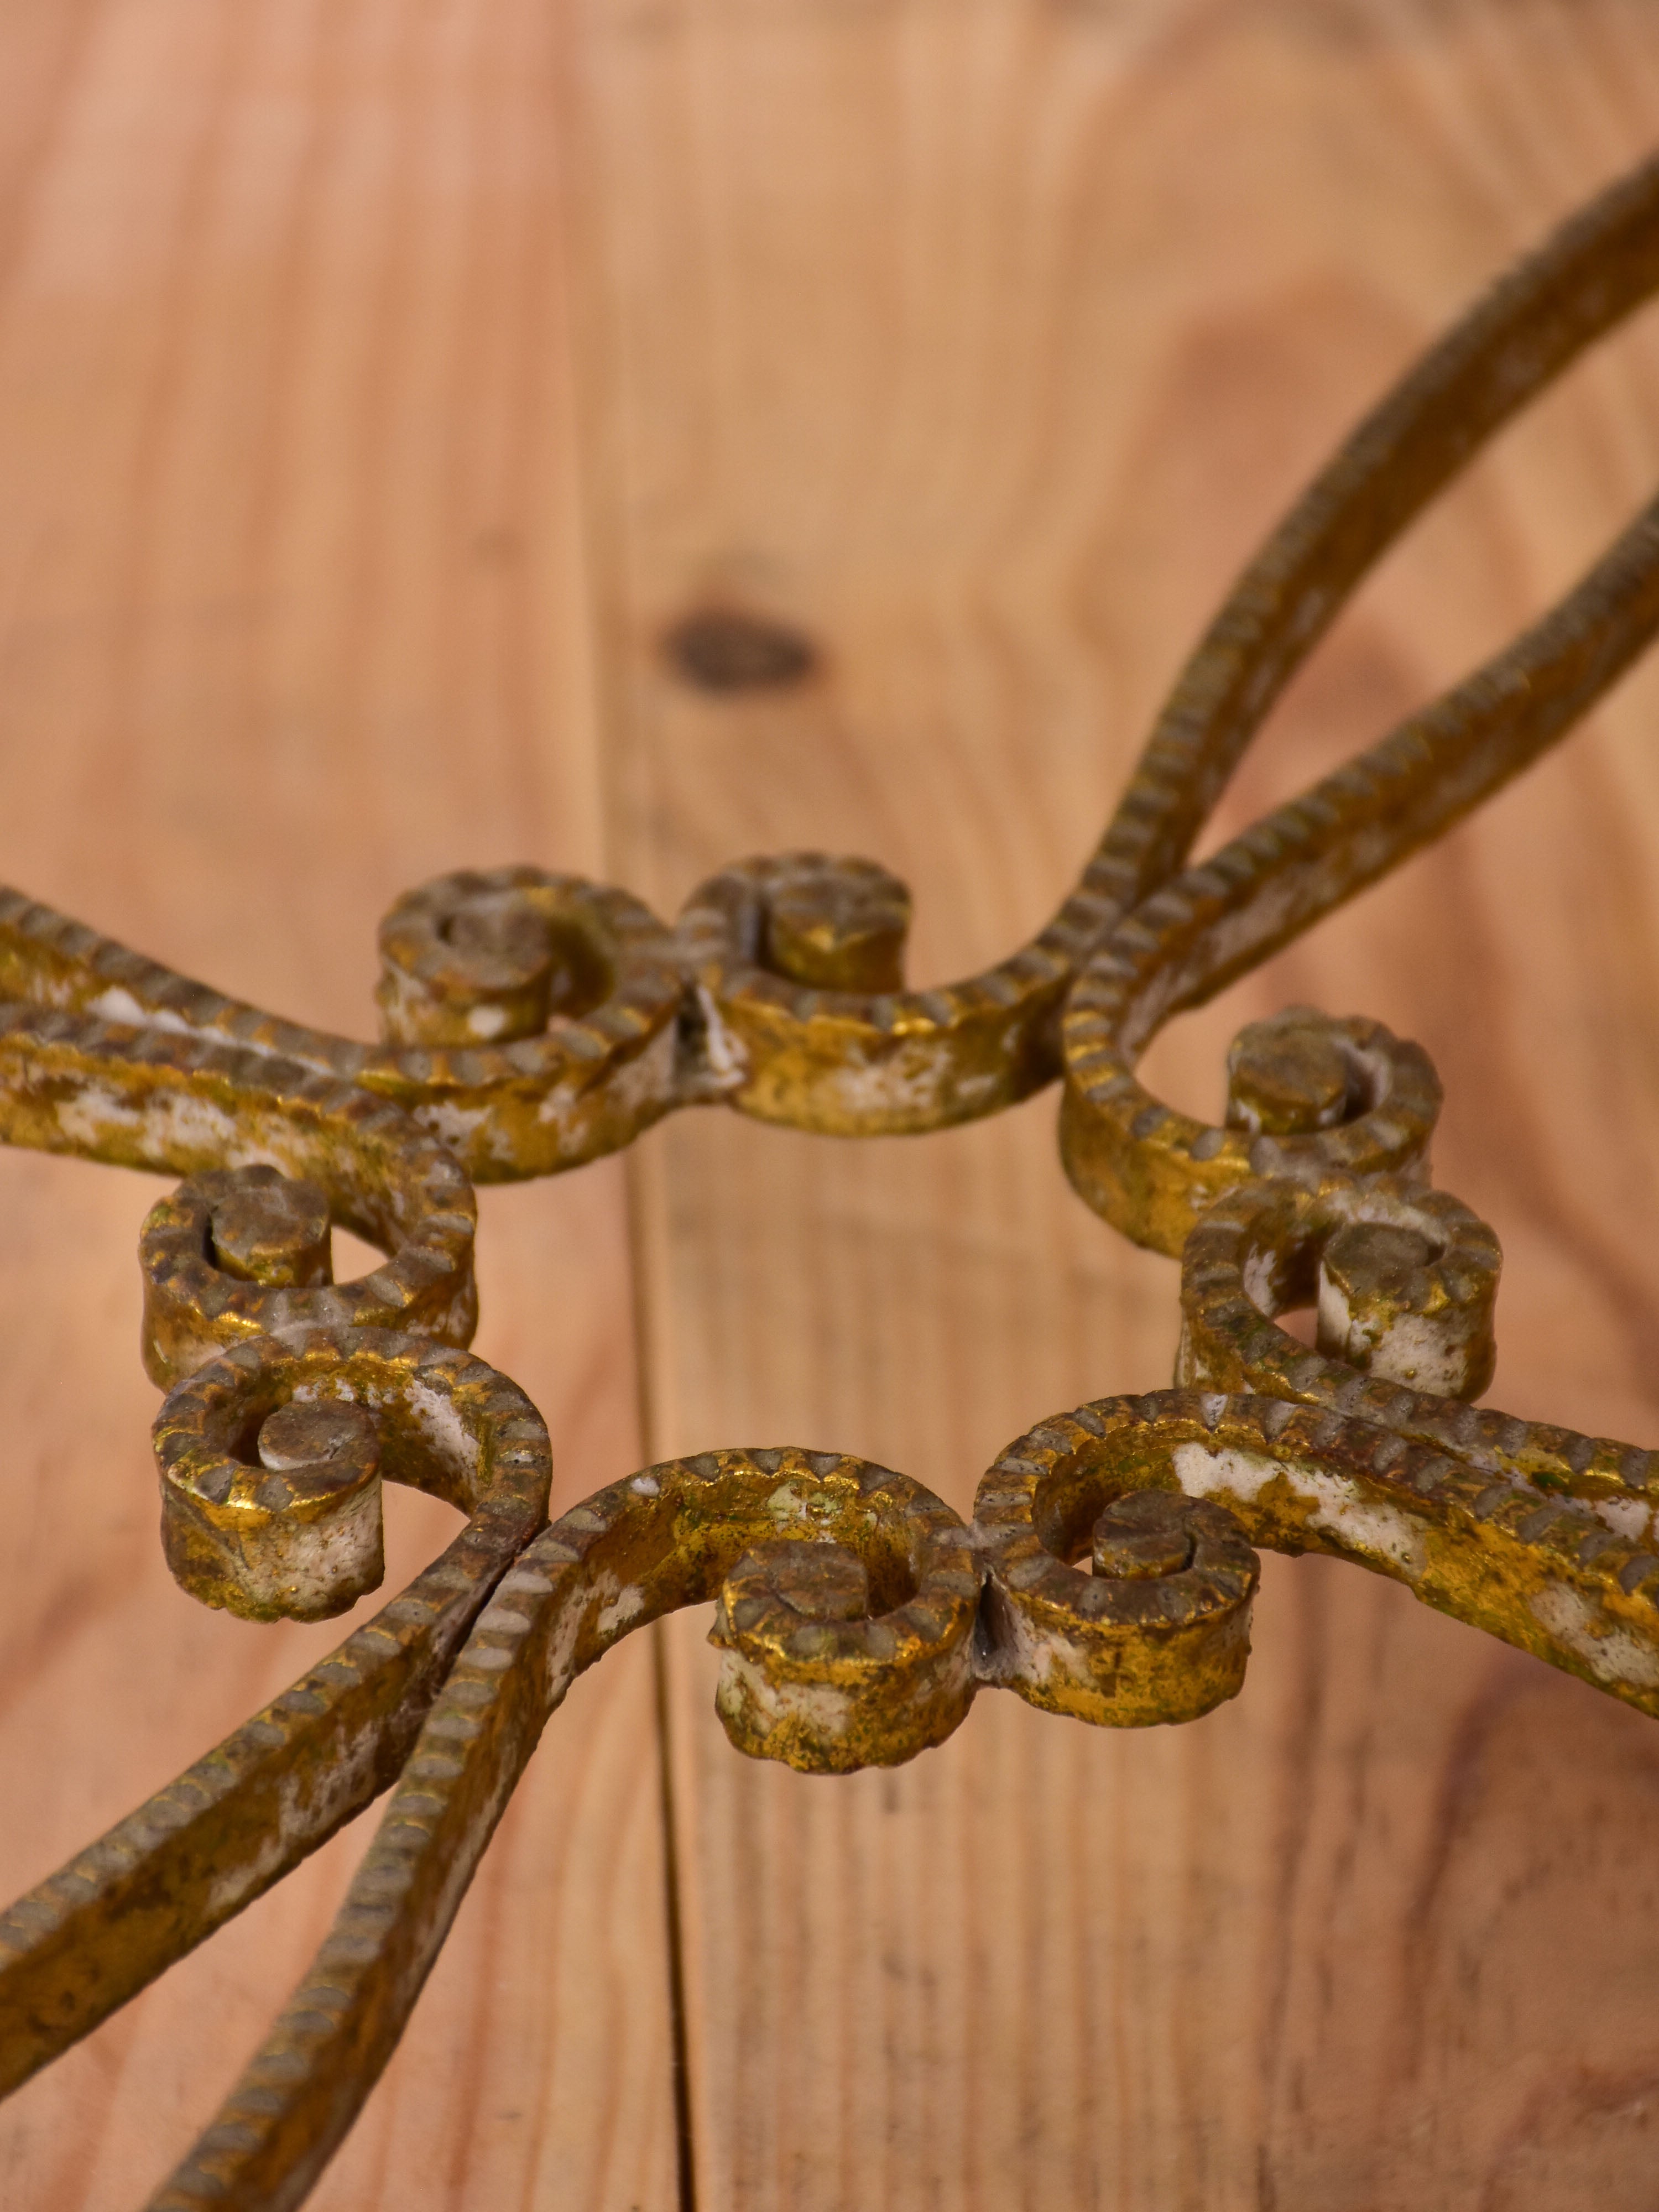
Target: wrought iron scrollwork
x,y
533,1022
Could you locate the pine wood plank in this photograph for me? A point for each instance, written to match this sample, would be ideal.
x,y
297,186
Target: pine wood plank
x,y
982,343
292,617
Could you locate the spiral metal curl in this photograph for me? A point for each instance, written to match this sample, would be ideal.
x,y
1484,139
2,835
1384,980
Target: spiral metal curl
x,y
532,1021
96,1933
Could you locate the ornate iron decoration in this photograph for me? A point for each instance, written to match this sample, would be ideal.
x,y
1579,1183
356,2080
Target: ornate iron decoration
x,y
533,1022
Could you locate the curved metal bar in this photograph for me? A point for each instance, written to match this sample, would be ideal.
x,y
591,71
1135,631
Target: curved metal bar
x,y
1261,1251
821,1046
536,1021
598,1071
816,1691
150,1098
850,1060
1159,1631
76,1948
1560,1577
1150,1171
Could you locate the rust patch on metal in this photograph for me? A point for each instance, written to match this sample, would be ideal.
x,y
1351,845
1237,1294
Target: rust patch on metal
x,y
532,1021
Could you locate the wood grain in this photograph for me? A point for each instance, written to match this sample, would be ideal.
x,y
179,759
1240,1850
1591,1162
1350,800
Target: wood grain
x,y
378,386
293,618
980,343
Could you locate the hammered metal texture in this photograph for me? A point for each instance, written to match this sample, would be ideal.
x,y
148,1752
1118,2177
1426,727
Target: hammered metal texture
x,y
533,1022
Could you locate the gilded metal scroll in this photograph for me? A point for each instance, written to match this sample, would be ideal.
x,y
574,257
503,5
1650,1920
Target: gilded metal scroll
x,y
533,1022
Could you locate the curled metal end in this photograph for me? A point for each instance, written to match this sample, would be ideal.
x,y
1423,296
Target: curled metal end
x,y
799,1013
266,1227
837,925
530,1019
1292,1074
1405,1280
1153,1620
1309,1095
852,1647
237,1253
272,1456
294,1533
1408,1305
470,960
1143,1537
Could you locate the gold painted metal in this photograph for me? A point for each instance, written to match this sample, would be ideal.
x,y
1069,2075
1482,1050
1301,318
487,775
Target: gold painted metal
x,y
533,1022
161,1881
1551,1575
1404,1280
507,1101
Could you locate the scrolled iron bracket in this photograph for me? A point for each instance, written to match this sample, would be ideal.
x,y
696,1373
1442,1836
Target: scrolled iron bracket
x,y
533,1022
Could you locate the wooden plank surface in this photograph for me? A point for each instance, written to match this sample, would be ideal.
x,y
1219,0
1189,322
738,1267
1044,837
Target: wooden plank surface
x,y
378,386
979,344
293,619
